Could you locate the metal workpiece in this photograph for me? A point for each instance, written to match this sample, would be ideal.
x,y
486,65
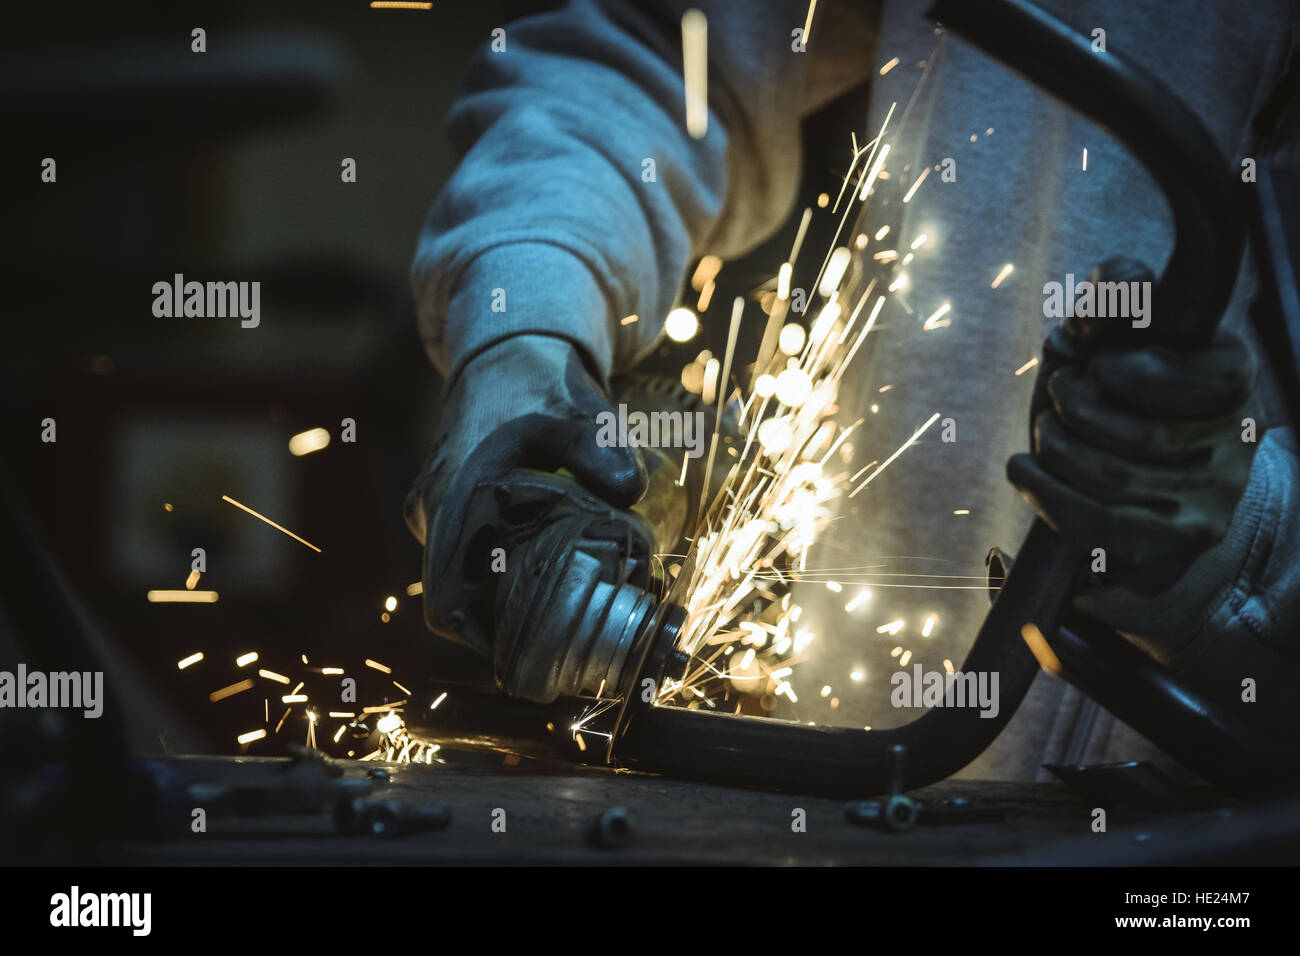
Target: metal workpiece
x,y
1236,754
731,749
830,761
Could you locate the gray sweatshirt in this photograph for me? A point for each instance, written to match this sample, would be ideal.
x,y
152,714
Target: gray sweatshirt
x,y
550,204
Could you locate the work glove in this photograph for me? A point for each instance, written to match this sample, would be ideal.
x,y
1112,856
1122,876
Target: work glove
x,y
527,402
1141,452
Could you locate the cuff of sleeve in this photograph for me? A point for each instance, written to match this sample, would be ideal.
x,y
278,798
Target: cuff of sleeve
x,y
527,288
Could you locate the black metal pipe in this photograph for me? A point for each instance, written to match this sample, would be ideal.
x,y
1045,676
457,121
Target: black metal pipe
x,y
1153,124
839,761
1236,756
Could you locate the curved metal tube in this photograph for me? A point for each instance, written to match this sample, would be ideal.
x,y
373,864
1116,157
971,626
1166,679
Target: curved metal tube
x,y
841,761
1202,734
1153,124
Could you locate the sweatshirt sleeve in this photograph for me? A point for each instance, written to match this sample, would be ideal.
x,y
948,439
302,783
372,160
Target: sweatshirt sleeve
x,y
581,198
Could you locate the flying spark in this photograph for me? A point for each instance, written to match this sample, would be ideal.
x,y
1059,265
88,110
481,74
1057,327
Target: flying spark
x,y
304,443
270,522
695,72
182,597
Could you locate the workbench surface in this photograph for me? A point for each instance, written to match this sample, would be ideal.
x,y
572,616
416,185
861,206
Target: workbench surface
x,y
550,807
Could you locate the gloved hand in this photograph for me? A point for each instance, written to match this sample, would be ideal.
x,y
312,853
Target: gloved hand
x,y
1138,451
526,402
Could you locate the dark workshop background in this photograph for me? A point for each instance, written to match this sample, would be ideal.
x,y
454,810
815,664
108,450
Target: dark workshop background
x,y
225,166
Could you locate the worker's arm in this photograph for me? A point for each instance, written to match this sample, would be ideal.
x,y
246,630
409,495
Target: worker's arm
x,y
579,201
582,197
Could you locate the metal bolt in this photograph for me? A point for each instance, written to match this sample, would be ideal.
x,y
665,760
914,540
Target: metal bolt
x,y
898,812
896,755
613,828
